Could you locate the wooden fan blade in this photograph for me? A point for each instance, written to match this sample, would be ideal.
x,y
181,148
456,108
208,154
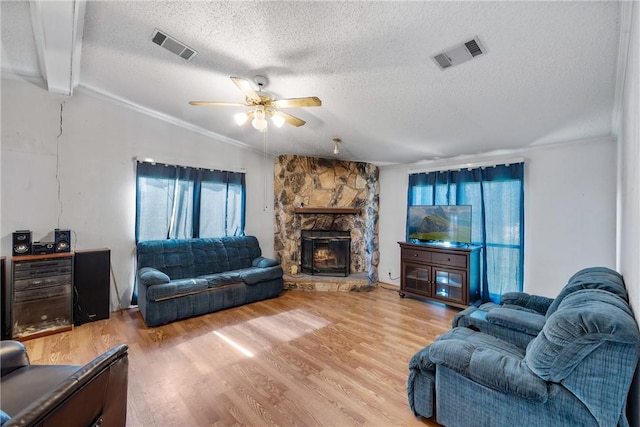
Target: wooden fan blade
x,y
247,89
310,101
292,120
211,103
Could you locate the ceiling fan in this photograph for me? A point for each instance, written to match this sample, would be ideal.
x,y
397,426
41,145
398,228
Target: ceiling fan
x,y
263,105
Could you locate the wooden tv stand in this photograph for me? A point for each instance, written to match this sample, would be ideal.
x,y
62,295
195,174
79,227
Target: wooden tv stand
x,y
450,275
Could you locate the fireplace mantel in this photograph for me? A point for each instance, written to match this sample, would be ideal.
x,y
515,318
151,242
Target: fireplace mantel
x,y
328,210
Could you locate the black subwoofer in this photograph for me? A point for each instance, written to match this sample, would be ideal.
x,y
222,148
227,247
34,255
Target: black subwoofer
x,y
91,279
22,242
62,240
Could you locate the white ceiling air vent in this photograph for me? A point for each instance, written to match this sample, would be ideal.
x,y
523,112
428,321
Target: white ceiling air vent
x,y
173,45
459,54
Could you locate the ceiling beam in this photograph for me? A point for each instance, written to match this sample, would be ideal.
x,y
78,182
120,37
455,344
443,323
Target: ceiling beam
x,y
57,30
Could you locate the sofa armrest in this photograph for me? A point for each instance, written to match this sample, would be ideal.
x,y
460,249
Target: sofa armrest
x,y
461,319
421,361
13,355
96,394
536,303
262,262
516,320
152,276
490,368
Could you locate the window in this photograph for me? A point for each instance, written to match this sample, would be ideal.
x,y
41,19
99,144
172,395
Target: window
x,y
496,195
176,202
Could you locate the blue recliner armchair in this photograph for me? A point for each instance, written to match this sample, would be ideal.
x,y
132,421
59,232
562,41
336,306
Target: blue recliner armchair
x,y
520,317
576,372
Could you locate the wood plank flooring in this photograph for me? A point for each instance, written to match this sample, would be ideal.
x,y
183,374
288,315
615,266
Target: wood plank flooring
x,y
302,359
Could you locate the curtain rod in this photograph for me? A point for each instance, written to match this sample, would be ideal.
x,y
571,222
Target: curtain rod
x,y
468,165
140,159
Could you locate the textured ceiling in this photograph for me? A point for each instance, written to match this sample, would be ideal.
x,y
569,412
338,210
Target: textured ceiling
x,y
548,75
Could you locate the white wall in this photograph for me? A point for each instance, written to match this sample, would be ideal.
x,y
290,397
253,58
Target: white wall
x,y
629,189
569,213
91,146
629,192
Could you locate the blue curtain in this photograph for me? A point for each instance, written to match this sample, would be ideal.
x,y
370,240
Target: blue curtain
x,y
496,195
178,202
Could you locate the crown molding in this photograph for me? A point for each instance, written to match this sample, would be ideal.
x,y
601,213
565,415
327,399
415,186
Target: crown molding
x,y
496,157
98,93
123,102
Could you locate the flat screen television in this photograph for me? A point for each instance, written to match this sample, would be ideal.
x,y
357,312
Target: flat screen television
x,y
440,223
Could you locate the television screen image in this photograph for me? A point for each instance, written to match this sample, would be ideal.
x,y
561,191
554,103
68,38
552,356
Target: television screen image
x,y
440,223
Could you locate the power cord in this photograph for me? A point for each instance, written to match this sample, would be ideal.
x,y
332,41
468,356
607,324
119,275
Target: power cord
x,y
392,288
79,307
58,161
115,284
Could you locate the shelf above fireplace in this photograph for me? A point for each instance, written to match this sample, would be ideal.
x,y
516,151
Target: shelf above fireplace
x,y
330,211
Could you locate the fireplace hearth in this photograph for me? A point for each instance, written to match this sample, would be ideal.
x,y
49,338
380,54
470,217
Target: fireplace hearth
x,y
326,253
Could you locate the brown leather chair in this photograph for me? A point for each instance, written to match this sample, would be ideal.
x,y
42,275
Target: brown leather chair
x,y
63,395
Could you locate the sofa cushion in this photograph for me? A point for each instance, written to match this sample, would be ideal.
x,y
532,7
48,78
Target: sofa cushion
x,y
506,374
20,387
176,288
222,279
152,276
488,361
209,256
254,275
241,251
591,278
582,323
173,257
516,319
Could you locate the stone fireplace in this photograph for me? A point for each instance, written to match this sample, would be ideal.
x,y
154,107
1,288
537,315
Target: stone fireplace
x,y
328,195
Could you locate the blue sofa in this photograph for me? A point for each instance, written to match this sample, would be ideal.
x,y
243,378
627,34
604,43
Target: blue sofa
x,y
520,317
576,372
184,278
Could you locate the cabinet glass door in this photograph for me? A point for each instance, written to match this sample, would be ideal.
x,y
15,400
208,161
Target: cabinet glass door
x,y
448,284
417,278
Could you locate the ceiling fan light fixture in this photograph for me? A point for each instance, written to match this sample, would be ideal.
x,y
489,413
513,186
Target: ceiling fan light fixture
x,y
262,104
259,114
259,122
277,120
240,118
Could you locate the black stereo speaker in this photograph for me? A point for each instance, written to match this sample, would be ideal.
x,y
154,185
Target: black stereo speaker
x,y
91,279
22,242
62,240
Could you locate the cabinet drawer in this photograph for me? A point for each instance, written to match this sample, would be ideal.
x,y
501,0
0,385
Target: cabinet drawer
x,y
449,259
416,255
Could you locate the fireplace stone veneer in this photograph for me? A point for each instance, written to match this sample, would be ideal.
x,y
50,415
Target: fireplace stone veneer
x,y
331,195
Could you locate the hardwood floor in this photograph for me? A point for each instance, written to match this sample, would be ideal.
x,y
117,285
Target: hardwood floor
x,y
302,359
